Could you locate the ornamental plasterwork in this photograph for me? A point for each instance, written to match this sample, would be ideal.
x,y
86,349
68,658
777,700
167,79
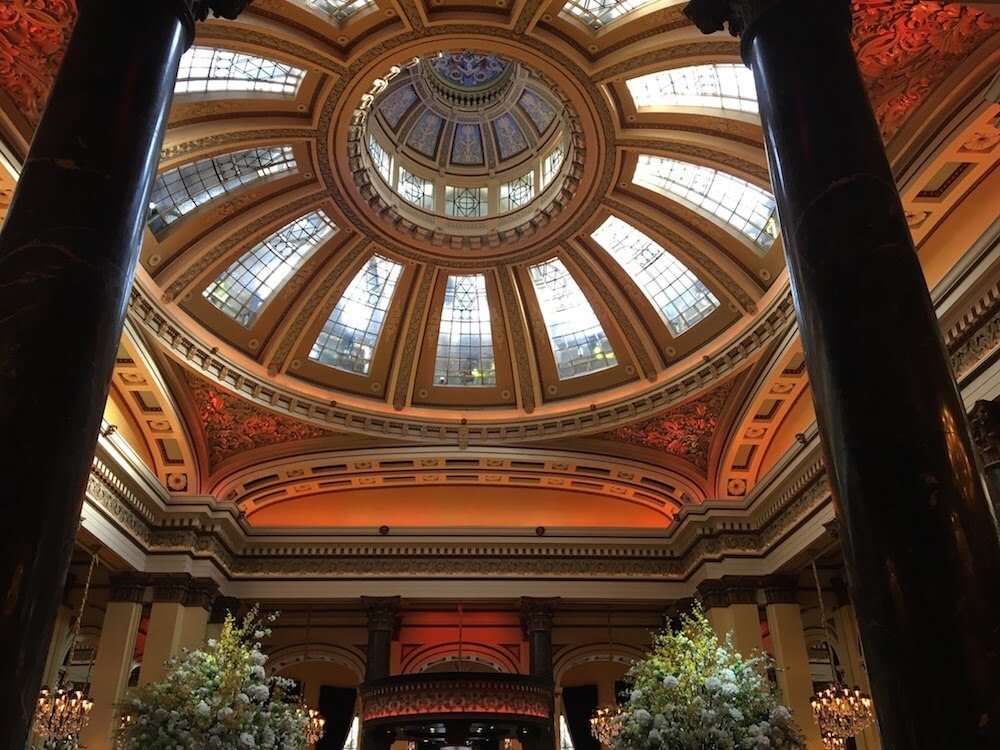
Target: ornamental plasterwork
x,y
232,425
684,431
906,50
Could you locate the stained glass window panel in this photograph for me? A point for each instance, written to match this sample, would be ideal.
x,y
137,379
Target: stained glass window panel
x,y
579,343
677,293
722,86
416,190
597,13
745,207
180,190
551,165
517,193
243,289
340,10
465,202
465,338
206,69
350,335
380,158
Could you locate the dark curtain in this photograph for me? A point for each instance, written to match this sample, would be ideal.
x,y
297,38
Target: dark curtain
x,y
336,705
580,703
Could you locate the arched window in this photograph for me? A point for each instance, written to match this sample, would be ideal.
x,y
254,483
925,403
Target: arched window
x,y
722,86
351,333
242,290
745,207
465,338
675,292
180,190
597,13
207,69
579,343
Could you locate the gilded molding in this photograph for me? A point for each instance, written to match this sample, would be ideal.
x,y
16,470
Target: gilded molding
x,y
518,338
212,142
414,328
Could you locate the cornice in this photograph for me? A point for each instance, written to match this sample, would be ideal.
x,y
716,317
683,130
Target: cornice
x,y
150,315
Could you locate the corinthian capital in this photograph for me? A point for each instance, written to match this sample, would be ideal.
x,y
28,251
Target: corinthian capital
x,y
382,611
537,614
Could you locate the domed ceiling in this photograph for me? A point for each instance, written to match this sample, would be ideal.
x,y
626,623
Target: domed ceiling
x,y
477,223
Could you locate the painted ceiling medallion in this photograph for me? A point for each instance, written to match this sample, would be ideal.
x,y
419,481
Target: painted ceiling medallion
x,y
684,431
469,69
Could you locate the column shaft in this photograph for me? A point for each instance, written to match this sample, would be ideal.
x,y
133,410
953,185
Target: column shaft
x,y
177,621
382,615
792,661
853,662
920,542
113,664
68,251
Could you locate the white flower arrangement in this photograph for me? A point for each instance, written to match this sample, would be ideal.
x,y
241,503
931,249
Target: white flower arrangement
x,y
692,692
217,698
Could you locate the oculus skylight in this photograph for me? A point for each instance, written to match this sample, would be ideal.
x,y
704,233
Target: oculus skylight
x,y
351,333
465,338
208,69
745,207
180,190
681,299
579,343
721,86
242,290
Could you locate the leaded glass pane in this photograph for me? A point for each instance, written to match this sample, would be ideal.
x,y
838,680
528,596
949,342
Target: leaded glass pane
x,y
340,10
180,190
465,338
465,202
677,293
723,86
517,193
597,13
380,158
551,165
579,343
351,333
205,69
416,190
745,207
243,289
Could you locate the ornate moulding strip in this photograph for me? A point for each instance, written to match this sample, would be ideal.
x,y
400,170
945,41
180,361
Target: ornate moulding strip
x,y
412,697
147,313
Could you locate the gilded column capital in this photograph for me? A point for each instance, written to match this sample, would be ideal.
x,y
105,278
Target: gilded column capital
x,y
192,11
985,421
128,587
201,593
741,589
382,612
780,590
537,614
713,595
738,16
171,588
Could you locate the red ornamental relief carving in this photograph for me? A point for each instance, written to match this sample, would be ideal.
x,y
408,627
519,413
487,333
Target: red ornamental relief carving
x,y
33,36
906,49
232,425
684,431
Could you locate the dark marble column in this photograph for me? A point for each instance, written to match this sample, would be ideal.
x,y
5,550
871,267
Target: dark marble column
x,y
985,418
536,617
383,613
68,250
920,541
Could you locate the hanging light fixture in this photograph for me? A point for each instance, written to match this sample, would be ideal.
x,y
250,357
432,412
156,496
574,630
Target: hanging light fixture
x,y
840,711
315,723
62,713
604,722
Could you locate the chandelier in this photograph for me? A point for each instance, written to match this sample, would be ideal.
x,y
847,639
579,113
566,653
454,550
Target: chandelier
x,y
604,723
62,713
313,731
840,711
314,725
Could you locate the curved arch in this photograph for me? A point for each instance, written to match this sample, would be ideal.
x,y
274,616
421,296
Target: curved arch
x,y
623,654
482,653
297,653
